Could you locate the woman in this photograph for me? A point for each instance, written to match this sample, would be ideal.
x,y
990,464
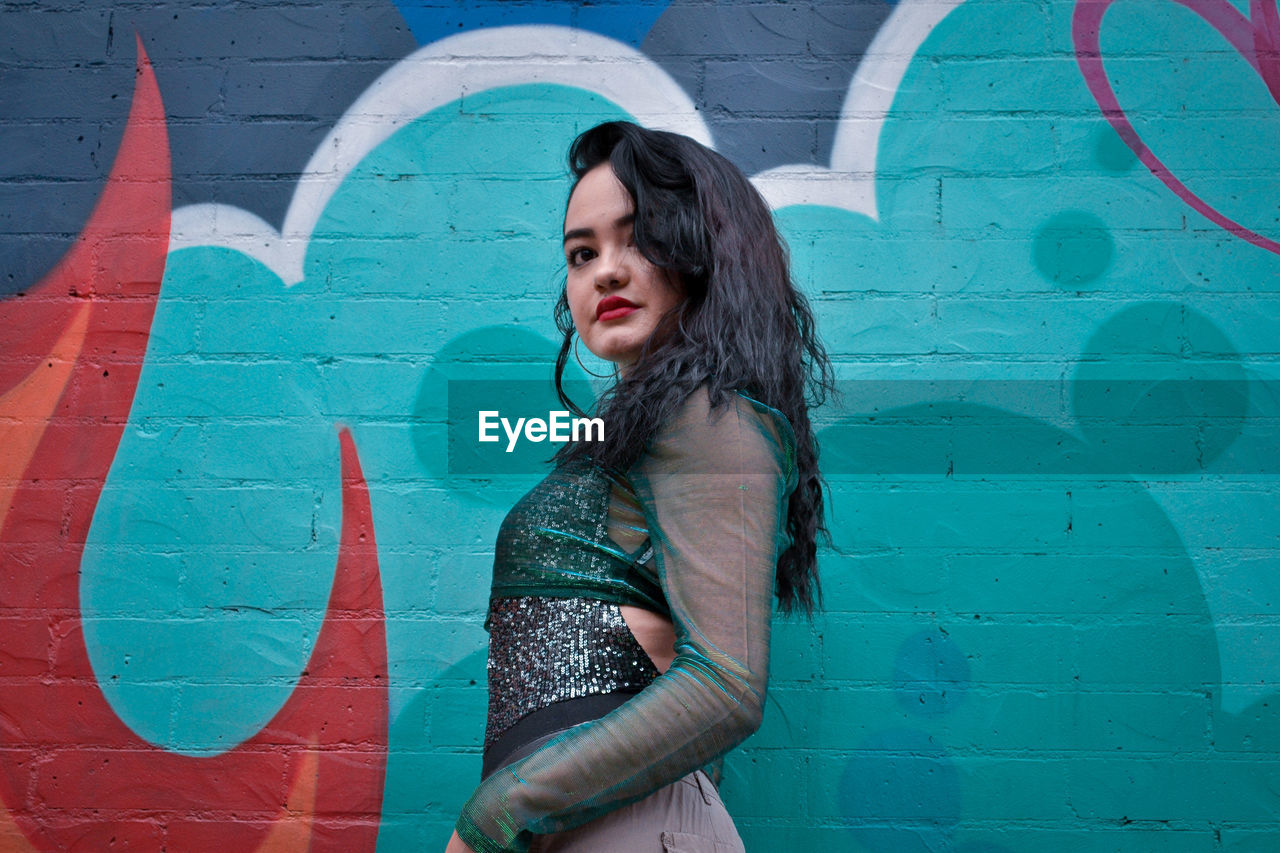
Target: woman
x,y
632,594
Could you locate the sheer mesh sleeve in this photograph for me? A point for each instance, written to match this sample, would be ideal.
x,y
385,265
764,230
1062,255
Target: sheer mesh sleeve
x,y
714,486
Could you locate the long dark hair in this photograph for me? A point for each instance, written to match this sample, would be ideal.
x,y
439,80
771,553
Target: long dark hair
x,y
742,325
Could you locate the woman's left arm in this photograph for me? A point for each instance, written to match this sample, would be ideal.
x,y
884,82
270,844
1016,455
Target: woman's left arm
x,y
714,486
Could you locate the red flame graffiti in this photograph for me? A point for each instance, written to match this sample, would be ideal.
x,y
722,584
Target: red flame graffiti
x,y
72,775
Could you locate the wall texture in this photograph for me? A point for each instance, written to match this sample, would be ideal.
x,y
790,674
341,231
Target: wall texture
x,y
246,249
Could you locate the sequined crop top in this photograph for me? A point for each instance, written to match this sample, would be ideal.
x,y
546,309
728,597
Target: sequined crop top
x,y
693,531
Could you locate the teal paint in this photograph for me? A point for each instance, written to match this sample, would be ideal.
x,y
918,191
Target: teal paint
x,y
900,792
1011,230
1073,249
1110,152
1187,397
930,673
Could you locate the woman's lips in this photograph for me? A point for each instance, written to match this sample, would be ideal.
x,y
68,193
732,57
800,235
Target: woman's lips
x,y
613,307
615,313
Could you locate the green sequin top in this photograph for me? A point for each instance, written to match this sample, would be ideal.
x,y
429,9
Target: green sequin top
x,y
692,531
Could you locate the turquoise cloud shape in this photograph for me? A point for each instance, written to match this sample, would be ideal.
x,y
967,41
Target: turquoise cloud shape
x,y
223,500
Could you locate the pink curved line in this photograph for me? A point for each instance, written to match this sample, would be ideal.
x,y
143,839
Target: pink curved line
x,y
1266,43
1086,27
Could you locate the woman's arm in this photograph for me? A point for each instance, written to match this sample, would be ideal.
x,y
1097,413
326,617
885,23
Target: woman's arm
x,y
714,487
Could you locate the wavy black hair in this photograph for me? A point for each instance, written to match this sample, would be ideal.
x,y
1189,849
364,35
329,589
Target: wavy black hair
x,y
741,326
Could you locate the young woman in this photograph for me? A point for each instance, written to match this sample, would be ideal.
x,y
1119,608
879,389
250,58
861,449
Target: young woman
x,y
633,588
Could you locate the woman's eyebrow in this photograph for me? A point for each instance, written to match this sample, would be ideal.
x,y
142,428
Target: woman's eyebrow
x,y
620,222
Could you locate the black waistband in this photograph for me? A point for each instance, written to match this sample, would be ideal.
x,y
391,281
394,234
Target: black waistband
x,y
534,729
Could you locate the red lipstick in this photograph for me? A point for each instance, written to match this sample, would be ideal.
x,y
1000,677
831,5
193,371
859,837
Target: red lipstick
x,y
613,308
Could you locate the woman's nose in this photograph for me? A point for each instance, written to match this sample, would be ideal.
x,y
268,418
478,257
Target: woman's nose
x,y
614,269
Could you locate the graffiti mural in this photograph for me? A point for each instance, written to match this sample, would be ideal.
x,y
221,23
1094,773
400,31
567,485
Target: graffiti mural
x,y
65,748
243,588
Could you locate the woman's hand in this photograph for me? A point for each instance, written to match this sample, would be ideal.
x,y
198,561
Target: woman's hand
x,y
457,845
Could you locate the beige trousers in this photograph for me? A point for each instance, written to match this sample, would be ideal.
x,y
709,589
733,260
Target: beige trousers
x,y
684,817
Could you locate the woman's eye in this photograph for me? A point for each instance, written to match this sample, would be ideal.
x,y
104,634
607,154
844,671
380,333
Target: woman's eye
x,y
579,256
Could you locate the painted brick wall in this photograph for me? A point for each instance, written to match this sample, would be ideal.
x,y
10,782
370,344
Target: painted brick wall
x,y
247,250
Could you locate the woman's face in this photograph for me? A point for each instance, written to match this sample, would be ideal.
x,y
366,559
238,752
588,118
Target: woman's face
x,y
616,296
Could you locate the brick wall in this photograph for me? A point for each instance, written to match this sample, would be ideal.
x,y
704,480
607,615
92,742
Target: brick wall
x,y
247,249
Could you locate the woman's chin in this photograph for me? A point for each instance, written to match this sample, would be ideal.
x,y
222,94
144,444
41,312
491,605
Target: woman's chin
x,y
619,353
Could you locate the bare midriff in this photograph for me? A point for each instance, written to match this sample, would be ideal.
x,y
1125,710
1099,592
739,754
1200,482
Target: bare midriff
x,y
655,634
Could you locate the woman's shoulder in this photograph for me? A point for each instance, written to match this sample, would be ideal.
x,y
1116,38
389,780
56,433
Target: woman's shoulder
x,y
733,426
699,412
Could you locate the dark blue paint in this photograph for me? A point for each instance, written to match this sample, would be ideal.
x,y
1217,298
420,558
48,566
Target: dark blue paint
x,y
626,22
249,91
771,77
